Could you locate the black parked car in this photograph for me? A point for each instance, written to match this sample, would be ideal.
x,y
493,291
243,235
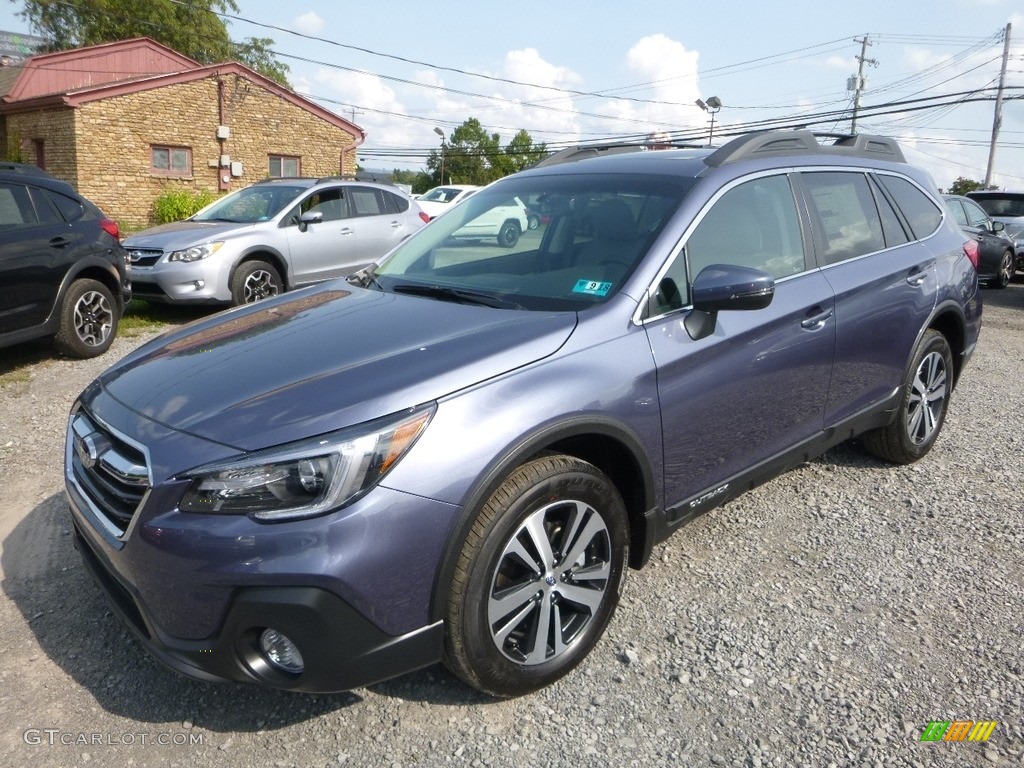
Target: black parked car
x,y
996,260
63,272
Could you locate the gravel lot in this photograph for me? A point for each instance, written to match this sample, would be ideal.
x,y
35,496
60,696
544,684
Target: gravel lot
x,y
822,620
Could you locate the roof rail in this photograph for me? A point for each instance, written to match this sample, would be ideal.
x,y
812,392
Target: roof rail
x,y
583,152
774,143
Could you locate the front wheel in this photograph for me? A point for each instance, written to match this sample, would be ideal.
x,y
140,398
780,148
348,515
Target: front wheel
x,y
253,281
538,577
508,235
923,404
1007,267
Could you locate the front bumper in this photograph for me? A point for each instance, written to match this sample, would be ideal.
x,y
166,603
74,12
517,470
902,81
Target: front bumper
x,y
200,282
341,649
352,588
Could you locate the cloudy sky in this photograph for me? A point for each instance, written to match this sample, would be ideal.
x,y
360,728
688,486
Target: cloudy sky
x,y
584,71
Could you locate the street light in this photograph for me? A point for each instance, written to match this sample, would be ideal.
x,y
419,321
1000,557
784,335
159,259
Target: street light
x,y
711,107
440,133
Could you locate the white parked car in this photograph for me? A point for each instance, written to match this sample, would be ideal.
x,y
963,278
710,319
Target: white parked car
x,y
436,201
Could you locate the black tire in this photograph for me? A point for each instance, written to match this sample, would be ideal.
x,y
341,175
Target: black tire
x,y
509,233
533,221
568,510
88,320
1007,268
253,281
923,404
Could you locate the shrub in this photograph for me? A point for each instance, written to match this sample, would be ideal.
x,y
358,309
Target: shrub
x,y
176,203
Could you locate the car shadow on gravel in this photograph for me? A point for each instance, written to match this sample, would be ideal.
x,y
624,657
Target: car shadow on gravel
x,y
75,628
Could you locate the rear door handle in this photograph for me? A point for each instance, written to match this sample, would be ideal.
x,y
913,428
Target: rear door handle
x,y
346,231
917,276
815,321
59,242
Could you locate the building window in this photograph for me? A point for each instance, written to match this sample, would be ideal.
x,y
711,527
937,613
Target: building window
x,y
171,161
39,147
283,166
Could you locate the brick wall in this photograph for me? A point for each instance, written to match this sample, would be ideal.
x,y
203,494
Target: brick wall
x,y
114,136
56,129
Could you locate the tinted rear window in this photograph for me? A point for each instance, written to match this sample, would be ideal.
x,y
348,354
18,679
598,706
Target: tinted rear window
x,y
1009,204
921,213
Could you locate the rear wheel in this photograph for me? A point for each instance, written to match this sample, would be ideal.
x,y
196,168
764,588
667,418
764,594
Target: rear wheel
x,y
253,281
88,320
538,577
923,404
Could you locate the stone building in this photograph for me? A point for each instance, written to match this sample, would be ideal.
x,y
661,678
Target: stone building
x,y
125,121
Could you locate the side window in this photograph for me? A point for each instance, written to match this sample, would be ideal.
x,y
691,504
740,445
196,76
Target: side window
x,y
975,215
845,210
46,213
70,209
752,225
395,203
919,209
892,228
16,210
365,202
328,202
958,212
19,211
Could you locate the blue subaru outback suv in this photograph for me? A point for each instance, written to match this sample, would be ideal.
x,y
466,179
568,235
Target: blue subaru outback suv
x,y
454,454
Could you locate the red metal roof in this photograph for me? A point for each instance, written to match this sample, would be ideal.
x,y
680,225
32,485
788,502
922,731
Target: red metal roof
x,y
65,71
156,66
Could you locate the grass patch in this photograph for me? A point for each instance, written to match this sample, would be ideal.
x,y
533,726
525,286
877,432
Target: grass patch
x,y
138,320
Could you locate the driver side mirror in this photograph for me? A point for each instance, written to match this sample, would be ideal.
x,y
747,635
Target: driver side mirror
x,y
310,217
721,287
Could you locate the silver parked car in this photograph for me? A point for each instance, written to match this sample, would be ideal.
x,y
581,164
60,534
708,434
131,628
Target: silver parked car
x,y
271,237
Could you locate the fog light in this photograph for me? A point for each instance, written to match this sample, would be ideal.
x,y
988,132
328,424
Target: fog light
x,y
281,652
200,284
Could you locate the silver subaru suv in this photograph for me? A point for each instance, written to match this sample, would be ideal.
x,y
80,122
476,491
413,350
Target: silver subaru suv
x,y
271,237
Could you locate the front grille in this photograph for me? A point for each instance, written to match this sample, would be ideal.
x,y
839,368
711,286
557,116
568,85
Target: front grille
x,y
110,471
144,257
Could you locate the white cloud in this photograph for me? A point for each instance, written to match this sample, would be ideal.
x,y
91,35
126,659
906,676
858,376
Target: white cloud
x,y
308,23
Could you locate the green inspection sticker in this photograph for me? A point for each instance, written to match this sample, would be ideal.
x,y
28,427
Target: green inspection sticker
x,y
592,287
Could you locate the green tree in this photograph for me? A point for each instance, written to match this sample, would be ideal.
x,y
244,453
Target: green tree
x,y
418,180
471,155
193,29
962,186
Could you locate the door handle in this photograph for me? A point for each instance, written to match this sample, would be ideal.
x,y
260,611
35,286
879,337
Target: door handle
x,y
396,224
59,242
916,276
815,321
346,231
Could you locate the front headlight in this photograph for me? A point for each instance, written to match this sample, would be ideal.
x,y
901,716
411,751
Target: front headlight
x,y
309,477
195,253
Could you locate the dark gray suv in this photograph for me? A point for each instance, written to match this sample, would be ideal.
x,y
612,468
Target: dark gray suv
x,y
455,453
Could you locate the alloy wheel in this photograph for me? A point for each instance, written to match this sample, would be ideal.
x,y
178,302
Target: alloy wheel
x,y
260,285
927,398
94,318
551,578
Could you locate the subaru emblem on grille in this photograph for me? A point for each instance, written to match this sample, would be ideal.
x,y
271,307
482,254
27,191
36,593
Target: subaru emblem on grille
x,y
90,448
135,256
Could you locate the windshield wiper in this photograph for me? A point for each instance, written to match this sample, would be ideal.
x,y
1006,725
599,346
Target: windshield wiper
x,y
447,293
364,278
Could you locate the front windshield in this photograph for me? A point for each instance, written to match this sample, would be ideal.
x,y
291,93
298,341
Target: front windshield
x,y
545,242
247,206
440,195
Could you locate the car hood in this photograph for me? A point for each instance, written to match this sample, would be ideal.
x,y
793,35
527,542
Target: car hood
x,y
321,359
182,234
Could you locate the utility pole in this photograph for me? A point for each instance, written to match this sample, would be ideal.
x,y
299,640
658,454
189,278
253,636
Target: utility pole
x,y
859,84
998,117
